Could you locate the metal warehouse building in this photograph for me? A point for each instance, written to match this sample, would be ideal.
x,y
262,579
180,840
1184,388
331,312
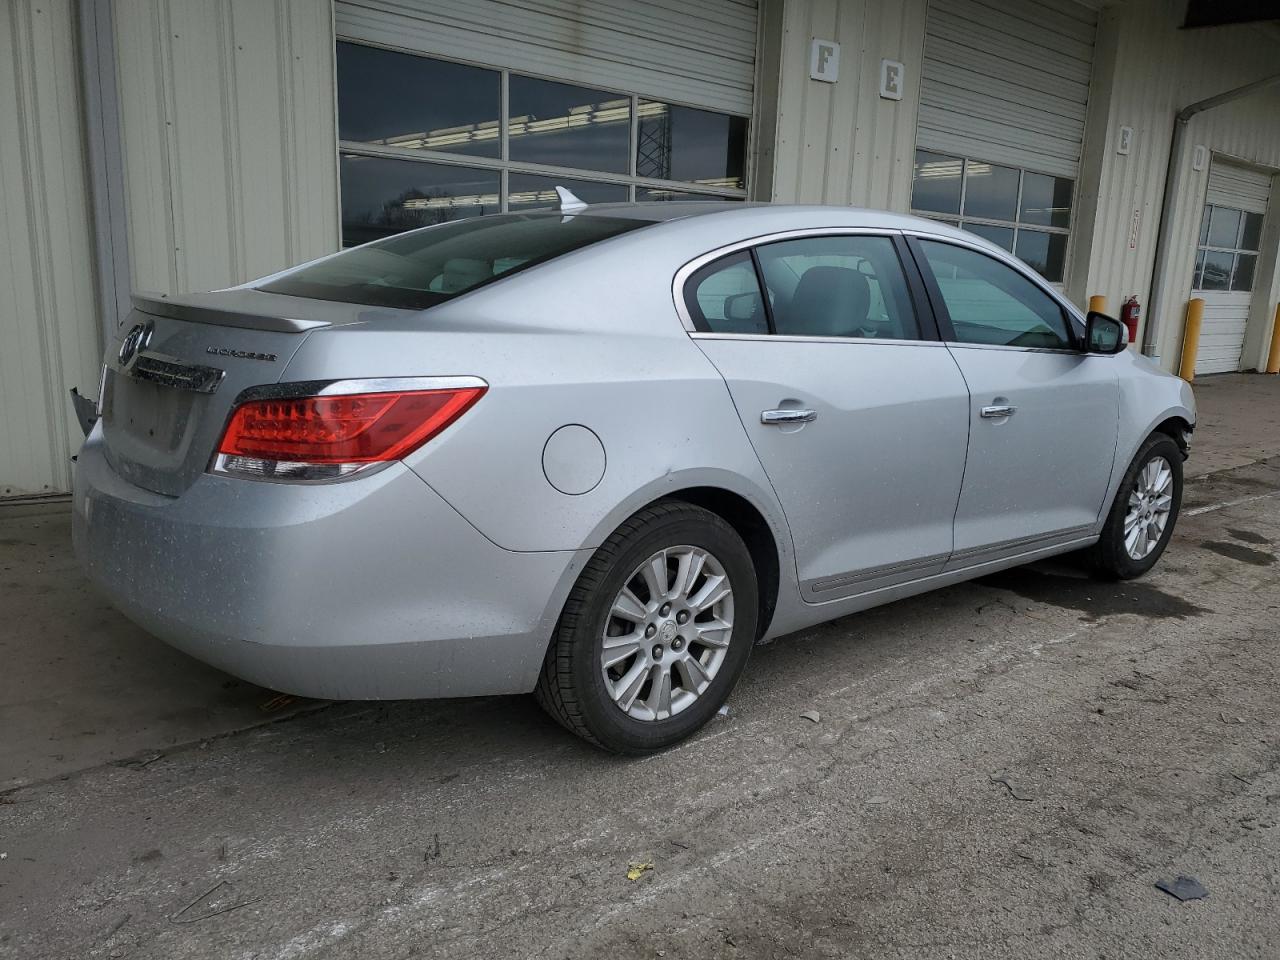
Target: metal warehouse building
x,y
179,145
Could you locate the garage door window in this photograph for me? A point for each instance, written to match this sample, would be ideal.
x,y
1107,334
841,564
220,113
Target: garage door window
x,y
425,140
1228,250
1024,212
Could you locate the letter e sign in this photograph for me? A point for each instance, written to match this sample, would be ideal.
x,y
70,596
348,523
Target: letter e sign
x,y
824,61
891,74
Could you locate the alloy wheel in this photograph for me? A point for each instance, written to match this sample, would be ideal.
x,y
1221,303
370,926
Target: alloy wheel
x,y
1150,500
667,633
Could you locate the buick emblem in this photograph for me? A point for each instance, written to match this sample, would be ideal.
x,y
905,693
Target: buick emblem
x,y
135,341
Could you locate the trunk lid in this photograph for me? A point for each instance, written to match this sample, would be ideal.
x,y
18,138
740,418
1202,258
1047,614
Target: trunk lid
x,y
171,380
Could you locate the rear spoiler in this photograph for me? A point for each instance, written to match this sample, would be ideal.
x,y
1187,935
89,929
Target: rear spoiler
x,y
200,308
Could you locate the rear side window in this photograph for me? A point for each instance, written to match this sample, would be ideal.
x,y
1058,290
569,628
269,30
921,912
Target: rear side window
x,y
724,297
427,267
838,286
991,303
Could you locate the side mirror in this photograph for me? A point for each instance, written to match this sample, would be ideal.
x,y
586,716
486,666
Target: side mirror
x,y
1103,334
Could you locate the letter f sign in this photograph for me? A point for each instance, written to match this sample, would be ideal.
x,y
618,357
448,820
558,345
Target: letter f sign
x,y
824,61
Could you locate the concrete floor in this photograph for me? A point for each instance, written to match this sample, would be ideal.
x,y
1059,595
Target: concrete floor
x,y
1001,768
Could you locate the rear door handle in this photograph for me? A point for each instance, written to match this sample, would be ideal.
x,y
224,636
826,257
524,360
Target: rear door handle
x,y
788,416
999,412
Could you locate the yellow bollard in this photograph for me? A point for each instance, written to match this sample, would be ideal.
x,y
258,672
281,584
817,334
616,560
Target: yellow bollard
x,y
1097,303
1273,359
1191,339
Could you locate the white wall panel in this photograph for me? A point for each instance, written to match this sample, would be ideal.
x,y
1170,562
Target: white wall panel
x,y
697,53
227,110
1155,69
842,143
49,340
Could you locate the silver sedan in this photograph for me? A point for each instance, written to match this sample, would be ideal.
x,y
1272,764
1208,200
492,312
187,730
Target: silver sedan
x,y
600,453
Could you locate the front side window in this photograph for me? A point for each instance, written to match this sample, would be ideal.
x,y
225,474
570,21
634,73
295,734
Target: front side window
x,y
423,140
839,286
1021,211
990,303
1227,252
419,270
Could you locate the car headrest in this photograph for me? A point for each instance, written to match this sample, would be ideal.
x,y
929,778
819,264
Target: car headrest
x,y
461,273
828,302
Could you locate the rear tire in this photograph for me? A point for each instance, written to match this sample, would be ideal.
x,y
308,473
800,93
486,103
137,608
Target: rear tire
x,y
1144,512
653,695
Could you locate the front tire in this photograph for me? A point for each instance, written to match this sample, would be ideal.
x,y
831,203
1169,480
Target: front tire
x,y
655,633
1144,513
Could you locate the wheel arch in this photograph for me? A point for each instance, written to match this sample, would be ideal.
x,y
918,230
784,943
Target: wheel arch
x,y
749,523
749,508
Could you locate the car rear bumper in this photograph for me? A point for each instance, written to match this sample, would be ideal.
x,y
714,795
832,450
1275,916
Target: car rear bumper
x,y
370,589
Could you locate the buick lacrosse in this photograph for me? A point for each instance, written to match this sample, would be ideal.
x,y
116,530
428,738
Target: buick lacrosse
x,y
599,453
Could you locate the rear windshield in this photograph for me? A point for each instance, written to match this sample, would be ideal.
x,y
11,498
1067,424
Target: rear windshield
x,y
426,267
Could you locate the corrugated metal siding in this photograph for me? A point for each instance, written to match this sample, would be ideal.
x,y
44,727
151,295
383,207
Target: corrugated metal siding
x,y
1007,81
841,143
49,338
227,110
1235,186
1158,69
697,53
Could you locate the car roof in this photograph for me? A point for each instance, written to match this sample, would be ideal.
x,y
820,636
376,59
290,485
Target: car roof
x,y
769,215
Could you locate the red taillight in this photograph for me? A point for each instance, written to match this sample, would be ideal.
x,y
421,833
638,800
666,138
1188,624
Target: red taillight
x,y
277,437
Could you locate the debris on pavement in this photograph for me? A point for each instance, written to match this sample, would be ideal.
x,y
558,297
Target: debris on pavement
x,y
1183,888
723,711
1013,791
813,716
877,800
638,870
205,898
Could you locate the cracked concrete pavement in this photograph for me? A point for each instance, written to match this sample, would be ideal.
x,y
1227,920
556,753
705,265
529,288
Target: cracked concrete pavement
x,y
1002,768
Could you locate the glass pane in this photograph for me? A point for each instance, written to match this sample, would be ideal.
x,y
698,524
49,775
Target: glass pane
x,y
1251,236
1045,253
1002,237
990,192
936,186
681,143
1217,270
422,269
568,126
1199,275
528,191
1242,279
724,297
990,303
645,194
1204,224
1224,228
381,196
838,287
1046,200
417,103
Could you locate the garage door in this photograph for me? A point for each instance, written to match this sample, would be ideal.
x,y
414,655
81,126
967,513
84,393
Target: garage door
x,y
1226,262
1007,81
702,54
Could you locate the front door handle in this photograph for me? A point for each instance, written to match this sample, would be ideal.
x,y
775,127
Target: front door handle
x,y
788,416
999,412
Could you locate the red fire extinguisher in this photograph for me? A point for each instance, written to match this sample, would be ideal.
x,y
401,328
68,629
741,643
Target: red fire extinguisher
x,y
1130,311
